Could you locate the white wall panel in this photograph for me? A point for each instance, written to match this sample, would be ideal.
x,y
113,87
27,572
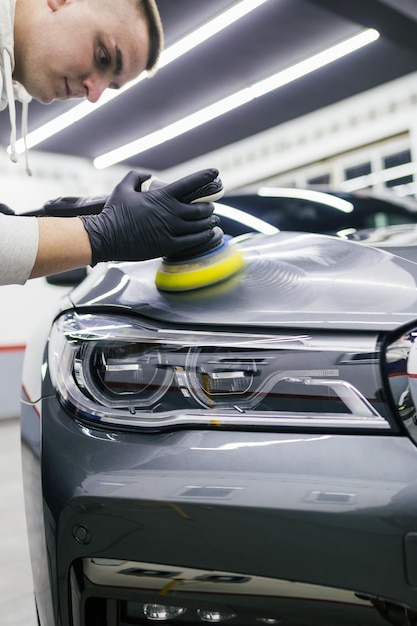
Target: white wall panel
x,y
362,120
52,176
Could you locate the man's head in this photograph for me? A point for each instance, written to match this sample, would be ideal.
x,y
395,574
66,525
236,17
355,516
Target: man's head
x,y
78,48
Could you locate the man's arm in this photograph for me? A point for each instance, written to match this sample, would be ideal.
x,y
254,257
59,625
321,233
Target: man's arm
x,y
63,245
18,247
133,226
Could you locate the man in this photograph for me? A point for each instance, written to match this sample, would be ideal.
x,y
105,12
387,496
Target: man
x,y
59,49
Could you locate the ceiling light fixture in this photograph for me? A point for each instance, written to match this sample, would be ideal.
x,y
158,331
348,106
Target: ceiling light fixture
x,y
237,99
184,45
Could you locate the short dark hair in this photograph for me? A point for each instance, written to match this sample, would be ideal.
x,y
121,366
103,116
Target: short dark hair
x,y
150,12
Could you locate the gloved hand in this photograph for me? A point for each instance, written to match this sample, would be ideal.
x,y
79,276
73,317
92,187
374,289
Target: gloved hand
x,y
135,225
6,209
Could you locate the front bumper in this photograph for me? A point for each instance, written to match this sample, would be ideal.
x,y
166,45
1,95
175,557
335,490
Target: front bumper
x,y
305,528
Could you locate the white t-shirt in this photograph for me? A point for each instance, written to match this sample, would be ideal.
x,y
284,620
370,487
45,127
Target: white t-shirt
x,y
19,237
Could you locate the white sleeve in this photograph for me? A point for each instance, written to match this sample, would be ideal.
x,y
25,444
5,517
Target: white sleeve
x,y
19,238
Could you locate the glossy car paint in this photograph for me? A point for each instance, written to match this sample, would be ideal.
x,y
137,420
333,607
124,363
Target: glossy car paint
x,y
290,279
303,526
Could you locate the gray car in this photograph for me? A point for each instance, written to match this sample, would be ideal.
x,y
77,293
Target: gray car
x,y
243,453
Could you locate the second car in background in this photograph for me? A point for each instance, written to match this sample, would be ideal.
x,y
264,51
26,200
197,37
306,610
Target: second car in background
x,y
321,211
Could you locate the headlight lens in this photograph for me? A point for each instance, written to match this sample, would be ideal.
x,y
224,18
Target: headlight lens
x,y
122,370
401,372
120,373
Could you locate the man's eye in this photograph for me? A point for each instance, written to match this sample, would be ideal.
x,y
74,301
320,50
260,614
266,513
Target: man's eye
x,y
104,57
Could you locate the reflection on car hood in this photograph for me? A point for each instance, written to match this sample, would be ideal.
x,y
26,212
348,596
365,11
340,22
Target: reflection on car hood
x,y
395,235
290,279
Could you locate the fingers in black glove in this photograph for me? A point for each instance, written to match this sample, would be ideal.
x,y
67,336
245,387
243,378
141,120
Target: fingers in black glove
x,y
209,189
6,209
135,226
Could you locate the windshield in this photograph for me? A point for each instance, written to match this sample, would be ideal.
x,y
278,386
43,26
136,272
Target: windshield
x,y
299,214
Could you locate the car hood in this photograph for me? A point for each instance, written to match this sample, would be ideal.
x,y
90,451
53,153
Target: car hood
x,y
289,279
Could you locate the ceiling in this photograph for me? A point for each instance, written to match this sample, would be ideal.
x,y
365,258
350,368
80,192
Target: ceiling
x,y
276,35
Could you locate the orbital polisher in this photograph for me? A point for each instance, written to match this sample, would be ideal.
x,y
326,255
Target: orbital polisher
x,y
209,264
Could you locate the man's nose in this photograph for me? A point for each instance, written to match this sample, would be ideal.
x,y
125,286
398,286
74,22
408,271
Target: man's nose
x,y
94,86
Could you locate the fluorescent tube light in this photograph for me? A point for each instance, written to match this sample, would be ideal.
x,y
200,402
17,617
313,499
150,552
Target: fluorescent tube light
x,y
184,45
237,99
208,30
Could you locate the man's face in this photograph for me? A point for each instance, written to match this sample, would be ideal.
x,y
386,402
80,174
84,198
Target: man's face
x,y
78,48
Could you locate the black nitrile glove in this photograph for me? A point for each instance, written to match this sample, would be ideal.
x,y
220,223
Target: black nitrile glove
x,y
135,225
6,209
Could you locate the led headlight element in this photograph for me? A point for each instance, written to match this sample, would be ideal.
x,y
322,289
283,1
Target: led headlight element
x,y
123,373
401,372
122,370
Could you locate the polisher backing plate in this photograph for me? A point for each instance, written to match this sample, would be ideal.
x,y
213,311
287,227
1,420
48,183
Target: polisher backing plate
x,y
202,271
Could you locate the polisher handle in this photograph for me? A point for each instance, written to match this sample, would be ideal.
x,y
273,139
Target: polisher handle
x,y
210,192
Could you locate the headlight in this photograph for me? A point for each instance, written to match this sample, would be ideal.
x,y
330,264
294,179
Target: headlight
x,y
121,370
401,372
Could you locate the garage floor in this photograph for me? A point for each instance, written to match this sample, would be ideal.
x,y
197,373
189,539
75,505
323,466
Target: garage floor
x,y
16,592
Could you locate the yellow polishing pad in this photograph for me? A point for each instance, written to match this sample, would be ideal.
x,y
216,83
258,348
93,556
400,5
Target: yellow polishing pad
x,y
202,271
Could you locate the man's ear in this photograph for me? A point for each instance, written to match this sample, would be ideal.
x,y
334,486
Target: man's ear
x,y
54,5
